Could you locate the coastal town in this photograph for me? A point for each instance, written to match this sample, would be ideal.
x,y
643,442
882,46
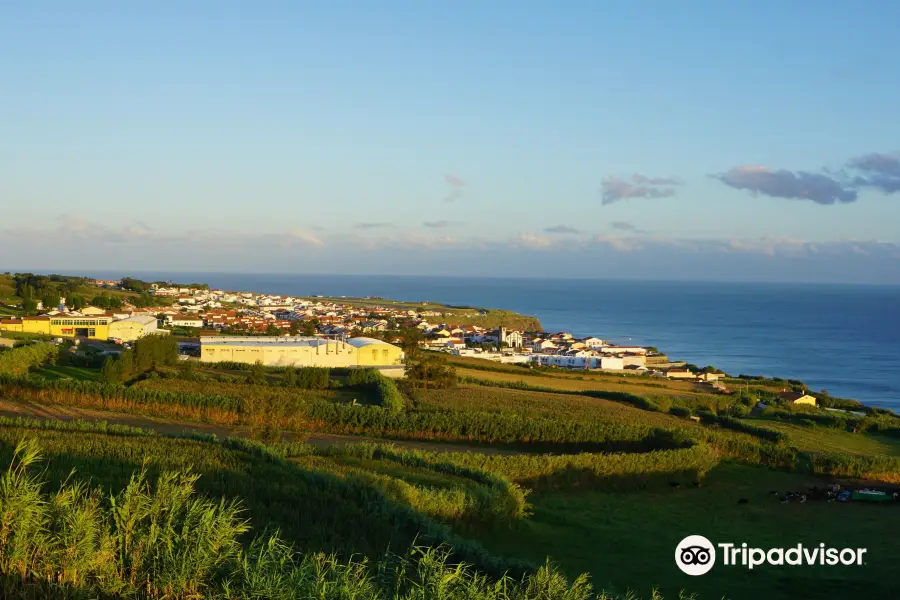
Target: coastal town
x,y
205,318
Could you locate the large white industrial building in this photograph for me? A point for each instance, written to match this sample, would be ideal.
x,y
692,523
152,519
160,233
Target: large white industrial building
x,y
300,351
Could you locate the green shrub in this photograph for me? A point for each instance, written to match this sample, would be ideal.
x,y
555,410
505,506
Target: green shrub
x,y
313,378
386,392
21,359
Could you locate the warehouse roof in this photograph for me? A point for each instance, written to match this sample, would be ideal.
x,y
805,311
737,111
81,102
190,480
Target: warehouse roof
x,y
360,342
142,319
249,340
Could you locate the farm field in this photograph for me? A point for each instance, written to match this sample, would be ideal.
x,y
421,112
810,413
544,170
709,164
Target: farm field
x,y
626,540
623,538
55,412
823,439
248,391
643,386
508,476
526,403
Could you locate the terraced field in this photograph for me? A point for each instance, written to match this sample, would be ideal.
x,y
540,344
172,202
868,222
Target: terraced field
x,y
540,404
823,439
632,384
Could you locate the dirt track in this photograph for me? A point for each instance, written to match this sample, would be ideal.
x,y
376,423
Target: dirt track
x,y
67,413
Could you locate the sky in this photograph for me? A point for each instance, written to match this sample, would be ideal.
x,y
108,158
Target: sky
x,y
746,140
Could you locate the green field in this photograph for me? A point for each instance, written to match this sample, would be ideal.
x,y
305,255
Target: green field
x,y
527,404
571,381
65,372
823,439
601,485
627,540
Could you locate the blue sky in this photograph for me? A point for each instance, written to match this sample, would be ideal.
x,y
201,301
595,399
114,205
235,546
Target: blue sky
x,y
739,140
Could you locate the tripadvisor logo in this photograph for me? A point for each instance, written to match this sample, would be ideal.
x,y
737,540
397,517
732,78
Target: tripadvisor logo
x,y
696,555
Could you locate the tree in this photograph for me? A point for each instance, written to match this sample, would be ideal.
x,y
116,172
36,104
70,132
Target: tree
x,y
126,365
76,302
186,370
134,285
429,370
290,377
154,350
257,374
309,327
410,338
272,330
294,328
50,300
111,371
29,305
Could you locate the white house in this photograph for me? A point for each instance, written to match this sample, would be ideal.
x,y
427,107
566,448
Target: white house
x,y
593,342
184,321
623,350
613,363
542,345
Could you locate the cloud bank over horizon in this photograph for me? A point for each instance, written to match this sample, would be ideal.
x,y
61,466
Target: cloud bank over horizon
x,y
526,254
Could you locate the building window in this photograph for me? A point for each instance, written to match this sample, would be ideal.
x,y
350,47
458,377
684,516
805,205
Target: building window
x,y
92,332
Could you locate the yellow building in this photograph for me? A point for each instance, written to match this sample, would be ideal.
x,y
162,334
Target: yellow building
x,y
798,398
375,353
300,351
60,326
94,327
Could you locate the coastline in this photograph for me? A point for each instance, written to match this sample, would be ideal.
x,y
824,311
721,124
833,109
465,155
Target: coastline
x,y
831,336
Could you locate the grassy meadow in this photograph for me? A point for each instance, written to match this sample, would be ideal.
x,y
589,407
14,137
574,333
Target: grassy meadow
x,y
821,439
627,539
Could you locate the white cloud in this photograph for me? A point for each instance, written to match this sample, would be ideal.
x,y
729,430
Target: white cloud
x,y
532,241
80,242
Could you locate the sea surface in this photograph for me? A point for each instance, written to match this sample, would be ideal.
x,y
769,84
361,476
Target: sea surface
x,y
842,338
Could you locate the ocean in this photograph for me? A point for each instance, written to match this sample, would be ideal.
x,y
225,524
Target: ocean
x,y
841,338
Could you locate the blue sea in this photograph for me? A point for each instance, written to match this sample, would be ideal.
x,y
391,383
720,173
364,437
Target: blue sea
x,y
842,338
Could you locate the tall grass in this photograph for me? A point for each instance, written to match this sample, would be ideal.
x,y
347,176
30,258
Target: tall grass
x,y
488,498
881,468
742,426
593,471
162,540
